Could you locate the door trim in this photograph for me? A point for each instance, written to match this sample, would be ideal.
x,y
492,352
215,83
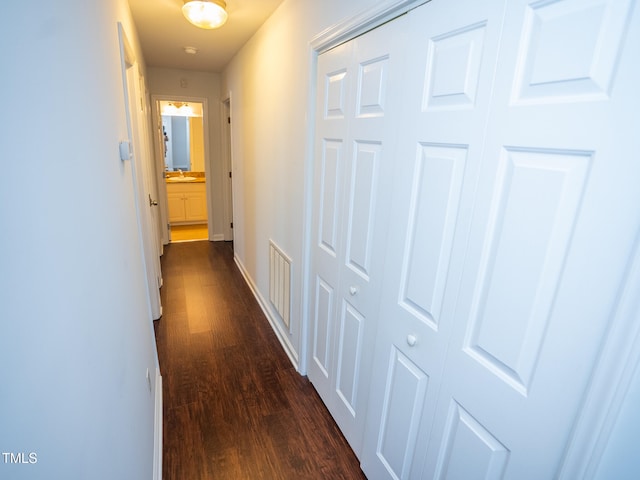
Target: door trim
x,y
360,23
616,364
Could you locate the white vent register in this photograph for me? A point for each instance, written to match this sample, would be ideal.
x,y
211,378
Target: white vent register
x,y
280,282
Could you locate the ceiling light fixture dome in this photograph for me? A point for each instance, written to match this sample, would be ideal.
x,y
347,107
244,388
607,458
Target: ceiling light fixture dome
x,y
206,14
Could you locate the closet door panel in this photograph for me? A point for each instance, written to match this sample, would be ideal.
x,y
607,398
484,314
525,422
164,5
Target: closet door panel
x,y
372,85
362,207
330,185
352,325
377,65
323,322
336,89
509,319
451,57
469,450
355,145
453,68
327,249
433,210
556,218
403,402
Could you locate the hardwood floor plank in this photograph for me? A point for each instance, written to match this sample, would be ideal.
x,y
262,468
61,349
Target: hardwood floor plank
x,y
234,407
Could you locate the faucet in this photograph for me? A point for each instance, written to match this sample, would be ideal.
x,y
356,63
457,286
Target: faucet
x,y
181,172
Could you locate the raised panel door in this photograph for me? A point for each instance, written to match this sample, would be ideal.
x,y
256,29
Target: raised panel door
x,y
451,57
333,109
353,172
556,216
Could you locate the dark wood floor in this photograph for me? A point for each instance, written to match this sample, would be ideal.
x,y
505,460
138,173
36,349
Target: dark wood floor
x,y
234,407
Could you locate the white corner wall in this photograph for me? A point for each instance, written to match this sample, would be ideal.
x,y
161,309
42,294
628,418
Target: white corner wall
x,y
269,85
187,83
76,340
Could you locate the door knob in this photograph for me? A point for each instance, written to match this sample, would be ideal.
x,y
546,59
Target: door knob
x,y
353,290
411,340
152,202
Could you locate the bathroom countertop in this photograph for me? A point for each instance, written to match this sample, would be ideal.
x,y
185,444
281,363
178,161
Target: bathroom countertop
x,y
199,177
195,180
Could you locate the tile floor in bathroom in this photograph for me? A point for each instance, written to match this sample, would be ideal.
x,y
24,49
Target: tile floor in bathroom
x,y
187,233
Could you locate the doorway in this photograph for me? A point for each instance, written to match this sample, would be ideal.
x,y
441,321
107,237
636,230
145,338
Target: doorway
x,y
182,162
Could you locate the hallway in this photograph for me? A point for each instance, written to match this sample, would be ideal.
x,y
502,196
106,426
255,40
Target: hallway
x,y
234,407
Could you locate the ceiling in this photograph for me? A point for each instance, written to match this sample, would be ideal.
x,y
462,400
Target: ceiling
x,y
164,33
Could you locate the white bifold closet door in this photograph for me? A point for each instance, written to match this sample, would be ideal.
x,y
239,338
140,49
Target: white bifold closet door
x,y
355,152
515,211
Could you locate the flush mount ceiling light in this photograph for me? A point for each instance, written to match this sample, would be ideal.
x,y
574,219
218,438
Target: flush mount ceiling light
x,y
207,14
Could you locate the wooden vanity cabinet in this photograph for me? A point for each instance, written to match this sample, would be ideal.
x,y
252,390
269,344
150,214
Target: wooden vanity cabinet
x,y
187,203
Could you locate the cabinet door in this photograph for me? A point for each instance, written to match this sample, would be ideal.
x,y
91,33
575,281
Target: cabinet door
x,y
195,204
355,145
175,202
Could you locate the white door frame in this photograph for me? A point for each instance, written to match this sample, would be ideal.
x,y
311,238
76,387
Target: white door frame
x,y
616,364
227,167
620,355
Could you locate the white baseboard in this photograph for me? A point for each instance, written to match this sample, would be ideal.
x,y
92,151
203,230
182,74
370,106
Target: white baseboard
x,y
218,237
277,327
157,429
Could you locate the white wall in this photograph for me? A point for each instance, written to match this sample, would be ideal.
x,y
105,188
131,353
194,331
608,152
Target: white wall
x,y
269,85
184,83
76,339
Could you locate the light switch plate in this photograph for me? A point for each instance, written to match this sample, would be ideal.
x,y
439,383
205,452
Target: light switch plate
x,y
125,150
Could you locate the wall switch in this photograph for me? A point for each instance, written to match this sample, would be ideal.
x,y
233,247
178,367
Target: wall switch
x,y
125,150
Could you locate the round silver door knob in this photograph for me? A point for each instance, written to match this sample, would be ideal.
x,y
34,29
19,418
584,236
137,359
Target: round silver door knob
x,y
411,340
353,290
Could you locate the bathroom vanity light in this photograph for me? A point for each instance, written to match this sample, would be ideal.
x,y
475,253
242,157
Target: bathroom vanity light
x,y
207,14
178,109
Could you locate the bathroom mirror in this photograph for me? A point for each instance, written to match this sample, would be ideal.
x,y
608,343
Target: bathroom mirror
x,y
183,132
